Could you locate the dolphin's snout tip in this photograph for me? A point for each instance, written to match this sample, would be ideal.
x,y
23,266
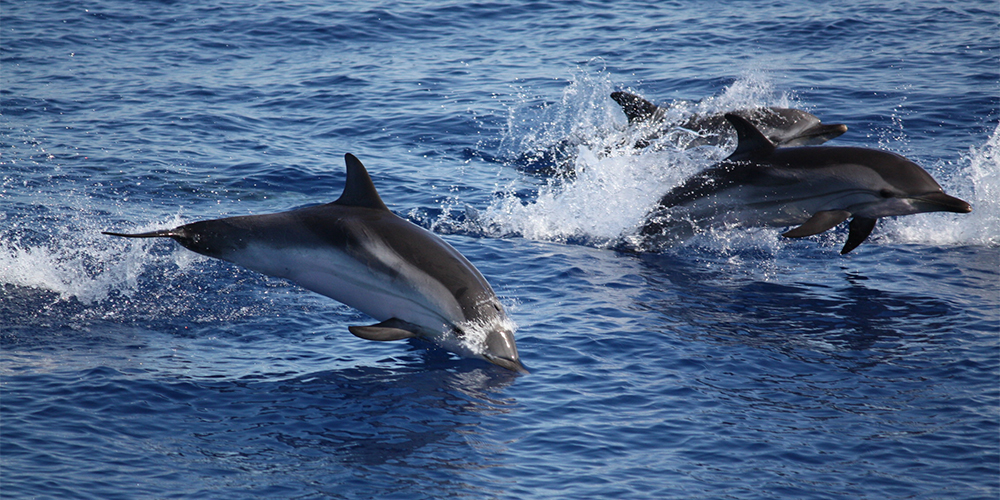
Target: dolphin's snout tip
x,y
501,350
941,202
510,364
963,206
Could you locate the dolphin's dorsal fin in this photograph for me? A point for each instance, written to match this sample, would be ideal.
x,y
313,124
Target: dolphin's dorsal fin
x,y
751,143
358,189
634,107
390,329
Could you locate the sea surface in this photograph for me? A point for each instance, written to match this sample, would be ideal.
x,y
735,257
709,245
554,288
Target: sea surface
x,y
732,365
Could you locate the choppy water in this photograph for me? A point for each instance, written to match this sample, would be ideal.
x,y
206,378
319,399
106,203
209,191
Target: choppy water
x,y
734,365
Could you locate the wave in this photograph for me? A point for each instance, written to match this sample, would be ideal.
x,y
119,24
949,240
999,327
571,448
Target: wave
x,y
84,269
73,260
68,274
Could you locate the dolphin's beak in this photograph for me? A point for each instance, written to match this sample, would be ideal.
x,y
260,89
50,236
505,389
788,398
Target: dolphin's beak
x,y
824,132
940,202
832,130
510,364
502,351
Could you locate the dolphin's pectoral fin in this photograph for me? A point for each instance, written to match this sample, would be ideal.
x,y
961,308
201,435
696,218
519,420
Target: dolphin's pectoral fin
x,y
819,222
390,329
860,228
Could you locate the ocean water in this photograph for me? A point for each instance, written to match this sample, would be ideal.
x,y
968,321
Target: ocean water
x,y
735,364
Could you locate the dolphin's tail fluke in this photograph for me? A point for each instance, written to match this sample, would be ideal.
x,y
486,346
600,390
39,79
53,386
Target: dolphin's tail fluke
x,y
162,233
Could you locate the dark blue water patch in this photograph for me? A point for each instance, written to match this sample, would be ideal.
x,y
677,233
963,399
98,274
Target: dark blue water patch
x,y
492,11
49,108
330,82
366,419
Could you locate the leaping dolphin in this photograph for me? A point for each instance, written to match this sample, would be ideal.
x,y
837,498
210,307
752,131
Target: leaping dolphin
x,y
356,251
784,127
813,188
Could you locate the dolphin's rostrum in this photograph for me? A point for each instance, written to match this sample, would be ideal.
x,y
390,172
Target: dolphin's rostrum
x,y
813,188
356,251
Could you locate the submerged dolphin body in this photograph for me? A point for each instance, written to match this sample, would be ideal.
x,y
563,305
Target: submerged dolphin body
x,y
356,251
784,127
813,188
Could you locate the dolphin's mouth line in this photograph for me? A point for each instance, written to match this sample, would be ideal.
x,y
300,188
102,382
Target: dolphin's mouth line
x,y
824,129
947,202
506,363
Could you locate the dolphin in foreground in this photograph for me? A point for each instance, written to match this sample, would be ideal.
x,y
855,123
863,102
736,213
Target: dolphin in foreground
x,y
784,127
356,251
813,188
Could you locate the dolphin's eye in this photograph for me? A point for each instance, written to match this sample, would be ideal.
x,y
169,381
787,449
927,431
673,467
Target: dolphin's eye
x,y
885,193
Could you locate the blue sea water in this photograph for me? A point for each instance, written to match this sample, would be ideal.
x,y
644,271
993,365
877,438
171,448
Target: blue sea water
x,y
736,364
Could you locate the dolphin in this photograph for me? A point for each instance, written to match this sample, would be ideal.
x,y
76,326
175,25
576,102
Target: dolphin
x,y
784,127
814,188
354,250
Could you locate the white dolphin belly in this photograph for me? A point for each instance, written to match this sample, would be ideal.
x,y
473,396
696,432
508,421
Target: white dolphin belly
x,y
411,295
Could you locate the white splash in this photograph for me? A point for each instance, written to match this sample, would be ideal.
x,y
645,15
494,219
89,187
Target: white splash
x,y
607,187
976,180
581,115
77,261
473,342
606,198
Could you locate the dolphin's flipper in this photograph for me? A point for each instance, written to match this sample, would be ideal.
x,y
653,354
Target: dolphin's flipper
x,y
819,222
860,228
751,143
635,108
390,329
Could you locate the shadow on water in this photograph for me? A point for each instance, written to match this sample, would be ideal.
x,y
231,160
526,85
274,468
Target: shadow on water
x,y
833,308
371,425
